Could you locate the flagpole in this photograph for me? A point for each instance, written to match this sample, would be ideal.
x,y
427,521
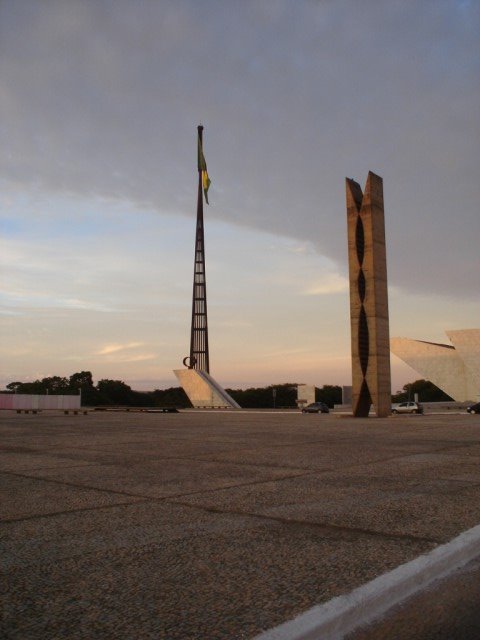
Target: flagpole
x,y
199,353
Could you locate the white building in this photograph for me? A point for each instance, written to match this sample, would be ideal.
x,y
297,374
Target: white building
x,y
454,368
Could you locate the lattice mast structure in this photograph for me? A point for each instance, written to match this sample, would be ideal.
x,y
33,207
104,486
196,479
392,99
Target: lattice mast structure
x,y
199,355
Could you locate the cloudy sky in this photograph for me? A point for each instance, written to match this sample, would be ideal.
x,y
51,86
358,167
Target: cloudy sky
x,y
99,104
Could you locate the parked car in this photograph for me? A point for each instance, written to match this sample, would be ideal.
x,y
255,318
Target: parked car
x,y
474,408
316,407
407,407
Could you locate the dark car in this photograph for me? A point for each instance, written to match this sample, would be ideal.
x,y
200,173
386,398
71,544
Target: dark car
x,y
316,407
474,408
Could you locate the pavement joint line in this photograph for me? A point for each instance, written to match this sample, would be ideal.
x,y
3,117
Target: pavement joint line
x,y
66,512
344,614
463,485
74,484
235,486
57,468
178,495
354,531
308,470
324,440
175,497
141,497
176,500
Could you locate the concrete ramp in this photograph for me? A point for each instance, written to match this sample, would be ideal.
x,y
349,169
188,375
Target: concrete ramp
x,y
203,391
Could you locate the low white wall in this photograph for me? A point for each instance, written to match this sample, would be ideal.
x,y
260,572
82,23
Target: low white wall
x,y
440,407
28,401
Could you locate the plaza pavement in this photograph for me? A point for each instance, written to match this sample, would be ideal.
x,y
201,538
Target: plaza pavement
x,y
217,525
446,610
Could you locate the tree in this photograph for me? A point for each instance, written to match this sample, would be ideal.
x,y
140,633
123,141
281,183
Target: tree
x,y
280,395
55,385
427,392
172,397
117,392
31,387
330,394
52,384
14,386
83,382
114,392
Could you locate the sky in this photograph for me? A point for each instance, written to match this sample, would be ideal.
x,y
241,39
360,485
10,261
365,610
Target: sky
x,y
99,104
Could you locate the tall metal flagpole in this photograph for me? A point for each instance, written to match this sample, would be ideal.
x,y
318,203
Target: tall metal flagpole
x,y
199,356
200,387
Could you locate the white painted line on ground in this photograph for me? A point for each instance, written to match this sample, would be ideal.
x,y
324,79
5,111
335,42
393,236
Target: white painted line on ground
x,y
340,616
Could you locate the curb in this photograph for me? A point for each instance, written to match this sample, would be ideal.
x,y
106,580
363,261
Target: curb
x,y
342,615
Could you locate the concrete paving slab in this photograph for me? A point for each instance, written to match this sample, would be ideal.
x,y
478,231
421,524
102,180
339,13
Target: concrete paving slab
x,y
423,466
167,446
217,548
389,506
185,575
116,528
28,497
419,516
318,454
165,477
18,461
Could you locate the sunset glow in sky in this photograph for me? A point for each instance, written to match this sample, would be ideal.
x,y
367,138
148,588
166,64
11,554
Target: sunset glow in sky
x,y
99,104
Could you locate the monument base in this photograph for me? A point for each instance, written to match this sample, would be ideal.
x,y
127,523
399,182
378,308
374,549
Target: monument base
x,y
203,391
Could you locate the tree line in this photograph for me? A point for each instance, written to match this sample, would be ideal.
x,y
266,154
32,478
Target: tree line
x,y
108,392
105,392
116,392
282,395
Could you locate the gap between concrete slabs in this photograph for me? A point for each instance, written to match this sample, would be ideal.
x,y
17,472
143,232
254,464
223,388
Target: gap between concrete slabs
x,y
344,614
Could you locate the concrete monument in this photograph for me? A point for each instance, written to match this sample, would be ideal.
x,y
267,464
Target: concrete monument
x,y
371,382
454,369
203,391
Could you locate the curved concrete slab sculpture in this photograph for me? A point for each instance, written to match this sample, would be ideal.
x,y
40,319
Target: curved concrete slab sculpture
x,y
203,391
454,369
467,345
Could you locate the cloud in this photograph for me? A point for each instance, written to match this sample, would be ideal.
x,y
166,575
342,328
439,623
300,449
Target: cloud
x,y
330,283
140,357
99,104
103,100
114,348
122,353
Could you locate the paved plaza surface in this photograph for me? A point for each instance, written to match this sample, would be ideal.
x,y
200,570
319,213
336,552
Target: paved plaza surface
x,y
216,525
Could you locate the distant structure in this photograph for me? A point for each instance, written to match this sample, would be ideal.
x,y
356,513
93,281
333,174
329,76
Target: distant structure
x,y
347,394
371,383
305,395
33,402
201,389
454,369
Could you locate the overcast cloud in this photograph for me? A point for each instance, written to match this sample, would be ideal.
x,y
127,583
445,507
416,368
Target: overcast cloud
x,y
102,98
99,103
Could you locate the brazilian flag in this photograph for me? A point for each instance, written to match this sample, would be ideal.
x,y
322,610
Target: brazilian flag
x,y
202,166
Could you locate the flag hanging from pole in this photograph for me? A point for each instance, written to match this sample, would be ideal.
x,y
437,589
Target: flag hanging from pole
x,y
202,166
